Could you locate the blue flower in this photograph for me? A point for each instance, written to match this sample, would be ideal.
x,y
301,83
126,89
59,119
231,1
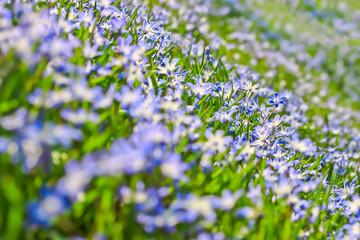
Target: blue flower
x,y
347,191
51,205
276,100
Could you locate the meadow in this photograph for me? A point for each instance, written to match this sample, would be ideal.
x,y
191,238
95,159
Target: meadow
x,y
165,119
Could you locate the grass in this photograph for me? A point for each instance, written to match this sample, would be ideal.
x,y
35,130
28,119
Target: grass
x,y
175,161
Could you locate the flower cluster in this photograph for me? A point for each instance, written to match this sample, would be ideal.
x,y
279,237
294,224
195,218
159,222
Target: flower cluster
x,y
121,123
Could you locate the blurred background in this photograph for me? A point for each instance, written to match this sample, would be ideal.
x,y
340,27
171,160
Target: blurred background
x,y
310,47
